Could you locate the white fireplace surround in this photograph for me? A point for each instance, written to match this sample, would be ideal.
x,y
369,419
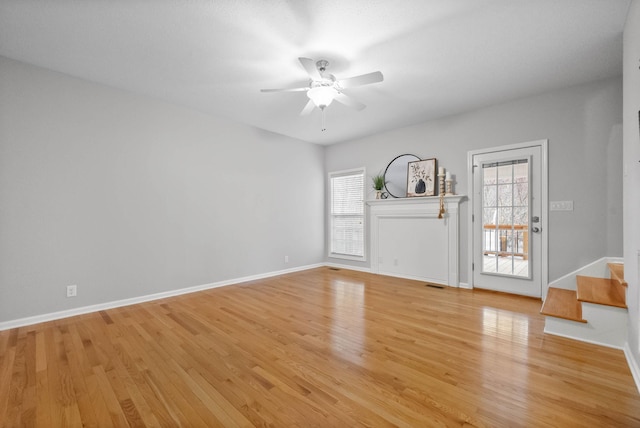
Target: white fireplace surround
x,y
408,240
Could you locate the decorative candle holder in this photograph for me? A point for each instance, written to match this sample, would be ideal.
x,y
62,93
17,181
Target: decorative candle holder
x,y
449,187
441,192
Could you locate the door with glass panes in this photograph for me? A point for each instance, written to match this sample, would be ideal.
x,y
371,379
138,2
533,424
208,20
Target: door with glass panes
x,y
508,220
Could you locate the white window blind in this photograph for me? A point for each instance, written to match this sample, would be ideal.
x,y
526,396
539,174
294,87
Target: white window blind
x,y
347,214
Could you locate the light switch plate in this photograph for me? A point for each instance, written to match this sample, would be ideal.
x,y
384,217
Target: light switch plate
x,y
561,206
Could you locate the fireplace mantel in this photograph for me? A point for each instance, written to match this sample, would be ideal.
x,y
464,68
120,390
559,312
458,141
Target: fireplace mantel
x,y
408,240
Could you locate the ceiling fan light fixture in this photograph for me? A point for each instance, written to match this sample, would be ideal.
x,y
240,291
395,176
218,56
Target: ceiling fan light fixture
x,y
322,96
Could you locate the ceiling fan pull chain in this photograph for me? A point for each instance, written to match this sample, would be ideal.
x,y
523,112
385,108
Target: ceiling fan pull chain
x,y
324,128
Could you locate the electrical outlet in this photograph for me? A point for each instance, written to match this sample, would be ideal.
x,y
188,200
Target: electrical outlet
x,y
286,259
72,290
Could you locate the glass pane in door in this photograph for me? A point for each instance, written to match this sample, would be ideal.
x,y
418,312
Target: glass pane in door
x,y
505,218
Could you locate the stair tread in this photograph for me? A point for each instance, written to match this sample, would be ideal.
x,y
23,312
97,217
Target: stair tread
x,y
617,272
603,291
561,303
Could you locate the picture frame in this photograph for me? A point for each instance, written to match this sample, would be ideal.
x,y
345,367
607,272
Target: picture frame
x,y
421,178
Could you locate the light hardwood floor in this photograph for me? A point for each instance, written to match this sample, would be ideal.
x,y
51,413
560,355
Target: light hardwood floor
x,y
315,348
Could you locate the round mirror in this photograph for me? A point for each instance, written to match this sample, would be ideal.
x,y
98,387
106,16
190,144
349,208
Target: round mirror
x,y
395,176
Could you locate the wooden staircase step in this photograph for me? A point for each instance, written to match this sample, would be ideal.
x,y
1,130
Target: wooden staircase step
x,y
603,291
617,272
561,303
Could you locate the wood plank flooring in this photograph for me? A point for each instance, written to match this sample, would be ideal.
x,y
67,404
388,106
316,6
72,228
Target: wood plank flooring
x,y
317,348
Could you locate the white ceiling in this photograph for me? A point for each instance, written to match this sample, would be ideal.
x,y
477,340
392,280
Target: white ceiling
x,y
438,57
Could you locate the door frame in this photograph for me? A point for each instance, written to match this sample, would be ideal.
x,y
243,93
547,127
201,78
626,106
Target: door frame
x,y
544,196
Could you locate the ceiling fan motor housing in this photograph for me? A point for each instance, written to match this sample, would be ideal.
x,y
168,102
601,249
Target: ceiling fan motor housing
x,y
322,65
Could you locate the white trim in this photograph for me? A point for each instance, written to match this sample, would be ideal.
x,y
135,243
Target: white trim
x,y
427,207
21,322
633,364
544,146
349,257
592,342
465,285
348,267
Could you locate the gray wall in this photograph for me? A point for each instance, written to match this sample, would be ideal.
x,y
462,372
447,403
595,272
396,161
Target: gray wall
x,y
631,170
127,196
583,126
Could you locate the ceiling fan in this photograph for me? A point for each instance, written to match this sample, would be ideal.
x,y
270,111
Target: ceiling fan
x,y
323,87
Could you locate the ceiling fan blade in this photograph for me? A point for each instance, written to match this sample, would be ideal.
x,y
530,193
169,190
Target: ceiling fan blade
x,y
310,66
349,102
305,88
308,108
363,79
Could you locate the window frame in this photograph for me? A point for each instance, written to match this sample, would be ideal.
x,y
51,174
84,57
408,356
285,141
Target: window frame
x,y
334,174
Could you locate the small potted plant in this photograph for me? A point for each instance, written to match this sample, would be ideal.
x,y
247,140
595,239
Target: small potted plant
x,y
378,185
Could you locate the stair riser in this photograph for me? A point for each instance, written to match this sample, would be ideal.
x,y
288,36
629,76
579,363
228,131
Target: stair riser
x,y
606,326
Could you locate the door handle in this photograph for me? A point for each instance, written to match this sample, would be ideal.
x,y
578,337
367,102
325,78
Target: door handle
x,y
535,229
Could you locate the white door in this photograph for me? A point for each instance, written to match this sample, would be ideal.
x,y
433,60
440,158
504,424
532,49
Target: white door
x,y
508,219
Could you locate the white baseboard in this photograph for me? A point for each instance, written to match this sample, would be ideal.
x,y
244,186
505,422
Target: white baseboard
x,y
592,342
21,322
414,278
633,365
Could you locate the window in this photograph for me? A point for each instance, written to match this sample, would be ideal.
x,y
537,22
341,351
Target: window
x,y
347,214
505,218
